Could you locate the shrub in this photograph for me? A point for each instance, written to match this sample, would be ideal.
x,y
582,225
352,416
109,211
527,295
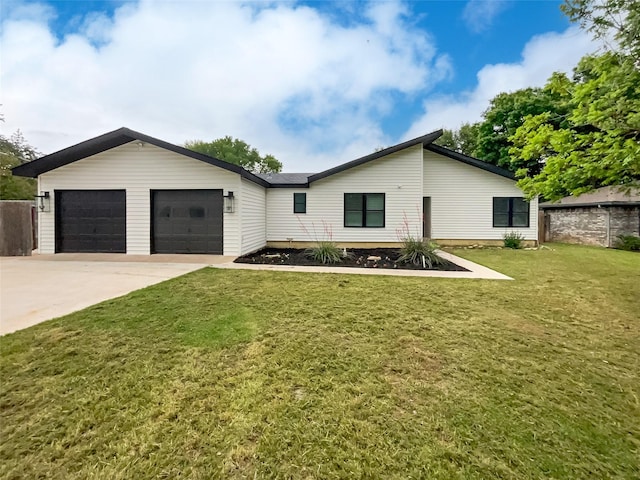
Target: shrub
x,y
628,242
325,251
418,250
513,240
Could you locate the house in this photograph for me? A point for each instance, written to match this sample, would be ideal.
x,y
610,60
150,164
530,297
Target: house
x,y
595,218
128,192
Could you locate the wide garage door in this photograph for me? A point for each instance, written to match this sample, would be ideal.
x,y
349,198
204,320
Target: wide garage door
x,y
187,221
91,221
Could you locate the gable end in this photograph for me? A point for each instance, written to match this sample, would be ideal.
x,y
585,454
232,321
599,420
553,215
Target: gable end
x,y
114,139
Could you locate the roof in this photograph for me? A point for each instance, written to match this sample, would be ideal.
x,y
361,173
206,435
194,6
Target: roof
x,y
424,140
474,162
605,196
286,179
124,135
114,139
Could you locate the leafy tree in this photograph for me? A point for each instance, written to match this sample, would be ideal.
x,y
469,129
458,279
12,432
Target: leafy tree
x,y
238,152
462,141
15,151
599,144
468,138
607,18
447,139
505,115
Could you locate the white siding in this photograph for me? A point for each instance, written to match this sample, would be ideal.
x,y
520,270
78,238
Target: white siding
x,y
253,212
139,170
398,176
462,200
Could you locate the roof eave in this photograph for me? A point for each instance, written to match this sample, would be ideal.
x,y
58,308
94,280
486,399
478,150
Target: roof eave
x,y
557,206
474,162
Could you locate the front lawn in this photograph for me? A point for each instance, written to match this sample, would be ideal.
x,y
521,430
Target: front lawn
x,y
249,374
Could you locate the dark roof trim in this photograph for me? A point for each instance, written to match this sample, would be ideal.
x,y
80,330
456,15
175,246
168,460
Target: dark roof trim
x,y
114,139
554,206
474,162
424,140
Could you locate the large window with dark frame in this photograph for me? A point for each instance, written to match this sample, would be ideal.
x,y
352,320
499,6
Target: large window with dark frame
x,y
299,203
510,212
364,210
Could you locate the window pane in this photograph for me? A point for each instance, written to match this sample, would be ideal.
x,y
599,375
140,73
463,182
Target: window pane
x,y
375,219
353,201
299,203
520,219
500,220
520,205
353,219
375,201
500,205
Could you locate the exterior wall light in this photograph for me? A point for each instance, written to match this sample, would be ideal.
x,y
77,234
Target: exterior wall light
x,y
229,204
44,202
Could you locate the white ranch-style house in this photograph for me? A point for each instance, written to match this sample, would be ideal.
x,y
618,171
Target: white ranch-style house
x,y
131,193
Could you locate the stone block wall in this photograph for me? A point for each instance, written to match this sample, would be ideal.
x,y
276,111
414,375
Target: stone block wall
x,y
591,225
624,221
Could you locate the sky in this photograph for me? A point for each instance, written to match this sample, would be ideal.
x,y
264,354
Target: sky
x,y
314,83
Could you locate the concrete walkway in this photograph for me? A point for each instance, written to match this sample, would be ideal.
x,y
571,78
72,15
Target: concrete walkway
x,y
38,288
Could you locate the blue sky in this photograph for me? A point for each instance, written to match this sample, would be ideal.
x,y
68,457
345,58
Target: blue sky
x,y
315,83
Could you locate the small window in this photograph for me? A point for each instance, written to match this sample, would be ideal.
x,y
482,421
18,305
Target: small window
x,y
299,203
510,212
364,210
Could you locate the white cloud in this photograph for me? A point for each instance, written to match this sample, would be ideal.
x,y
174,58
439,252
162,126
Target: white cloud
x,y
478,15
271,74
542,55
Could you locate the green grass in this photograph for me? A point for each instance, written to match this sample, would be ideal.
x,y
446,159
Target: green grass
x,y
247,374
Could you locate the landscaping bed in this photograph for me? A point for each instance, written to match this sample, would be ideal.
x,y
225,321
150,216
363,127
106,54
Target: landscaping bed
x,y
384,258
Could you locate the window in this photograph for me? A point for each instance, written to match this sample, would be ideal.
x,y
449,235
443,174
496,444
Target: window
x,y
299,203
364,210
510,212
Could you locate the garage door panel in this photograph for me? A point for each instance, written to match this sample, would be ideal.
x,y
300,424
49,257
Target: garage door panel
x,y
187,221
91,221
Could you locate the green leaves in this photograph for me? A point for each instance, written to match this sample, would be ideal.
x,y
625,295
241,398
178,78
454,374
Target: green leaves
x,y
507,113
238,152
598,144
464,140
15,151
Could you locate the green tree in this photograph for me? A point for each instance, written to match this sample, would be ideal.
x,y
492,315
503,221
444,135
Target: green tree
x,y
463,140
447,139
15,151
619,19
599,144
506,113
238,152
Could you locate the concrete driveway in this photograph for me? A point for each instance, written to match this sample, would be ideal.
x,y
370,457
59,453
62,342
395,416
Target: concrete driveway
x,y
41,287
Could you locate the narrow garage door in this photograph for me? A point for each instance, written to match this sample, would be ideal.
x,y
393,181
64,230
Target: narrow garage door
x,y
91,221
187,221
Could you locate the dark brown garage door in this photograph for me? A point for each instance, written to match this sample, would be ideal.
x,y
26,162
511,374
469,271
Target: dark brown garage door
x,y
187,221
91,221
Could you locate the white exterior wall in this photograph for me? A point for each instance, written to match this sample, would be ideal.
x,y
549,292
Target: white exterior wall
x,y
462,200
398,176
138,170
253,213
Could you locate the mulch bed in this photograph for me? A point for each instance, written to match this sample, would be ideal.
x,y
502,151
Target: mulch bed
x,y
384,258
